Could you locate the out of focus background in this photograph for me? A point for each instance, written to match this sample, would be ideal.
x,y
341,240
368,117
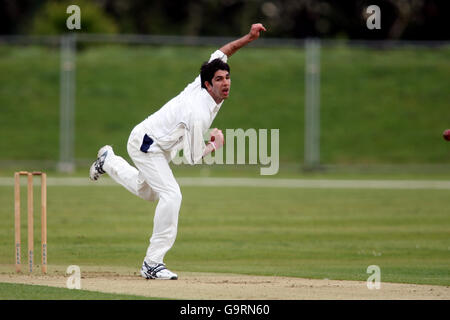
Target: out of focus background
x,y
345,97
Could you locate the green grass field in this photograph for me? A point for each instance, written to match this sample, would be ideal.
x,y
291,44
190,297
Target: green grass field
x,y
377,106
10,291
311,233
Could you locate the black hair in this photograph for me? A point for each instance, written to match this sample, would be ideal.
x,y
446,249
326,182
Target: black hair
x,y
208,69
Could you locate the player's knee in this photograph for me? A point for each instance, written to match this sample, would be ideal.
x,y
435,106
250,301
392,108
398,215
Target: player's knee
x,y
174,196
145,191
148,195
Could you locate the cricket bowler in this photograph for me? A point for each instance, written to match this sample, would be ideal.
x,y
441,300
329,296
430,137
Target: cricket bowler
x,y
154,142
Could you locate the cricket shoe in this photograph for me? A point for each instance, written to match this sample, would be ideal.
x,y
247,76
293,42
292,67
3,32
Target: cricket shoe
x,y
157,271
96,169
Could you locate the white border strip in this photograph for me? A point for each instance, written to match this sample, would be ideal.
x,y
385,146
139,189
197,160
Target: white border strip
x,y
259,182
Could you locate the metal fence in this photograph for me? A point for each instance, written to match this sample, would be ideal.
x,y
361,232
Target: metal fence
x,y
312,90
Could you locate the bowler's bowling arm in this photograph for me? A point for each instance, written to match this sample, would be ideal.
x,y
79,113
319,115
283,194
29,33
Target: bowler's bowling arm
x,y
230,48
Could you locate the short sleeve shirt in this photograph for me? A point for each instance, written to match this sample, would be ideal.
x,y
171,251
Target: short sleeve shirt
x,y
182,122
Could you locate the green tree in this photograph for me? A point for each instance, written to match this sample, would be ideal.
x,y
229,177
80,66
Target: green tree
x,y
51,18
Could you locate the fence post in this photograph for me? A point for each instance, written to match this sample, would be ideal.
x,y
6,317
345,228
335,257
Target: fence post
x,y
67,104
312,105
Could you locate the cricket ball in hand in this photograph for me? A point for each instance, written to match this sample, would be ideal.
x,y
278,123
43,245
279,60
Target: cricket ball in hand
x,y
446,134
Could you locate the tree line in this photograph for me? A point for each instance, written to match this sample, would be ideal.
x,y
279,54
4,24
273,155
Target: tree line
x,y
400,19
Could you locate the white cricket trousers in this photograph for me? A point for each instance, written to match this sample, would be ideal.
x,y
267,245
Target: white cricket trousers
x,y
151,180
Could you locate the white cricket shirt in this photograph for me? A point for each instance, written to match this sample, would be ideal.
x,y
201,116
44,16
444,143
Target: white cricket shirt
x,y
182,122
